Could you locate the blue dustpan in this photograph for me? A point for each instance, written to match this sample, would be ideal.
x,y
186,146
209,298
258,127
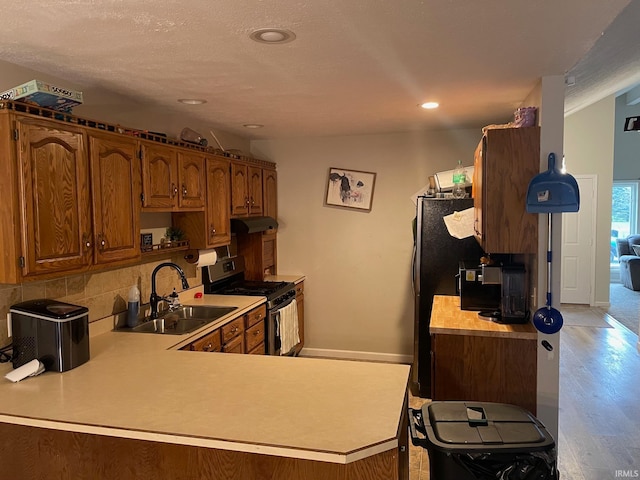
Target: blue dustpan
x,y
553,191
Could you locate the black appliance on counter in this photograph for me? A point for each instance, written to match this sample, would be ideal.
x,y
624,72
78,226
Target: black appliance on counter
x,y
475,293
226,277
53,332
437,256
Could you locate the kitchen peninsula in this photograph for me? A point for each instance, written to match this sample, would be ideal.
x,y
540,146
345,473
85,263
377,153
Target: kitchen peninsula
x,y
480,360
142,408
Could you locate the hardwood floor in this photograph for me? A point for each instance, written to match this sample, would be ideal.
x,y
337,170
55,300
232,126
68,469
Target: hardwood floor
x,y
599,419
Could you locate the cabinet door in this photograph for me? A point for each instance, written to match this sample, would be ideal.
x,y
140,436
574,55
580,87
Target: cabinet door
x,y
55,198
254,336
477,189
239,190
255,190
218,201
270,193
115,184
234,345
208,343
159,177
191,180
510,158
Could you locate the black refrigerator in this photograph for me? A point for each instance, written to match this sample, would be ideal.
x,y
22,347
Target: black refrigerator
x,y
435,266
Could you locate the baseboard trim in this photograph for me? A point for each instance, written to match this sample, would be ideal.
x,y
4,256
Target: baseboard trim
x,y
602,304
356,355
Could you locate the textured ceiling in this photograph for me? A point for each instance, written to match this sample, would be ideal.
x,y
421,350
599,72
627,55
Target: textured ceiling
x,y
356,66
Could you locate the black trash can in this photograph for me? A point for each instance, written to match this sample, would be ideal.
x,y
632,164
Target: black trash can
x,y
482,440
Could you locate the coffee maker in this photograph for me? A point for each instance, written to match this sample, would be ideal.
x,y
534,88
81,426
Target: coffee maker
x,y
513,305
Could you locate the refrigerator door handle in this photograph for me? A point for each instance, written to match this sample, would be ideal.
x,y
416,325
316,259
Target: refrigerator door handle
x,y
457,278
413,267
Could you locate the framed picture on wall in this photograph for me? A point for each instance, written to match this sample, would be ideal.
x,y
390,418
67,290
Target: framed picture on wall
x,y
350,189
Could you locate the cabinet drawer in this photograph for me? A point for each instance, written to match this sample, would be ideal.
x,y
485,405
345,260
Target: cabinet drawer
x,y
208,343
231,329
258,350
255,315
254,335
300,289
235,345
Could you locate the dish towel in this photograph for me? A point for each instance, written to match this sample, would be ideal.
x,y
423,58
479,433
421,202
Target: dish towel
x,y
289,335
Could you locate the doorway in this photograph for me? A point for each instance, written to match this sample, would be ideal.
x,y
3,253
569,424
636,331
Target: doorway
x,y
578,248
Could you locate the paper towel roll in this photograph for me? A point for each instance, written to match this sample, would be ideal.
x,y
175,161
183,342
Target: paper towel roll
x,y
207,257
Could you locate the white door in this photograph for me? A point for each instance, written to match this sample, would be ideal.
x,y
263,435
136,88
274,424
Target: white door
x,y
578,246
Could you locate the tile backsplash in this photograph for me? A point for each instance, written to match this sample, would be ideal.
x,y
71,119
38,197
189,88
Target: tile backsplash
x,y
103,293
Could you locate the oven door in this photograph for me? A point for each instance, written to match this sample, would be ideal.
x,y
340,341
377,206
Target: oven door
x,y
274,341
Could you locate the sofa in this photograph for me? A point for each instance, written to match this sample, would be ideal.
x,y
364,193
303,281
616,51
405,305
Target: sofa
x,y
629,261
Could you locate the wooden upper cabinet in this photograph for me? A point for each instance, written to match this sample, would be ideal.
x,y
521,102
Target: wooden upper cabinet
x,y
172,179
211,228
270,193
239,190
255,190
246,190
55,201
191,180
505,162
159,177
115,184
218,202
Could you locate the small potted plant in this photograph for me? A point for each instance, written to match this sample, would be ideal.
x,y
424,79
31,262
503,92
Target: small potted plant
x,y
173,234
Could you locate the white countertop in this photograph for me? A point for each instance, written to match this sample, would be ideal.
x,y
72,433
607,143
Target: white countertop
x,y
284,278
140,386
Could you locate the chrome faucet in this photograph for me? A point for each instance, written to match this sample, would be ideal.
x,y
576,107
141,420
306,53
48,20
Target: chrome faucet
x,y
155,298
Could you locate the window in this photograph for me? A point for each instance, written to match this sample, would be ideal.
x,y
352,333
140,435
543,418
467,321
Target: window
x,y
624,212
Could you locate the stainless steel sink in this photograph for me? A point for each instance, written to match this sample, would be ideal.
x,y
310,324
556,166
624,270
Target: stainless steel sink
x,y
198,311
175,326
182,320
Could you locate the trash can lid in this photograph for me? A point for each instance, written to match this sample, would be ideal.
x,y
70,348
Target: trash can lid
x,y
483,426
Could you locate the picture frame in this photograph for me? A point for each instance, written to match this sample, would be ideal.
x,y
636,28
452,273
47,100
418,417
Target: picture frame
x,y
146,242
350,189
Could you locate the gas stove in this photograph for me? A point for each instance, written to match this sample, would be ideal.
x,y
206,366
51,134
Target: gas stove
x,y
226,277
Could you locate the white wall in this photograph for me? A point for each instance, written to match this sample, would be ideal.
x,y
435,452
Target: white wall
x,y
588,147
358,293
626,154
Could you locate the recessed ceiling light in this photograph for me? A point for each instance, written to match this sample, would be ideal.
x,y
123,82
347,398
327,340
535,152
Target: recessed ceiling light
x,y
192,101
430,105
272,35
252,125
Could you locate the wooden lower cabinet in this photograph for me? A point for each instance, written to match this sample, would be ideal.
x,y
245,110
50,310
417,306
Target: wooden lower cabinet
x,y
32,453
254,337
208,343
485,369
244,334
234,345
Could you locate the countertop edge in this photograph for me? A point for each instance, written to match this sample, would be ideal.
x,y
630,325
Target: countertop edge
x,y
301,454
480,333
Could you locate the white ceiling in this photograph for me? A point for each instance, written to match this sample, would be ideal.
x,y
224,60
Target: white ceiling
x,y
356,66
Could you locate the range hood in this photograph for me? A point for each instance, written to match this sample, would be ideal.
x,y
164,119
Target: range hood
x,y
253,224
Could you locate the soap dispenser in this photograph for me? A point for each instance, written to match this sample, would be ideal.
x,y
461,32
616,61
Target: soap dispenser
x,y
133,306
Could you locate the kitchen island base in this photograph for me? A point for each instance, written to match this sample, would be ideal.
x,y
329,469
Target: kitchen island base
x,y
30,453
